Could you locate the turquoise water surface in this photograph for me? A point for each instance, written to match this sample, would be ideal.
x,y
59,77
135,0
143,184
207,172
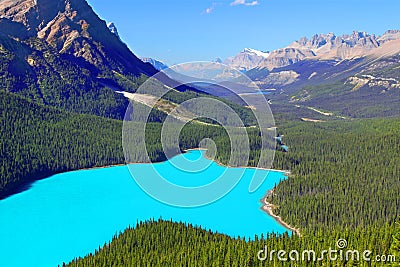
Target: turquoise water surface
x,y
72,214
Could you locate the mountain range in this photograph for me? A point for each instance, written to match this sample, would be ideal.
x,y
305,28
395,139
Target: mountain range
x,y
353,75
60,53
321,59
320,46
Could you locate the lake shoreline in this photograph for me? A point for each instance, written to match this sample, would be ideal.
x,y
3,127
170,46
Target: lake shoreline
x,y
269,209
286,172
27,183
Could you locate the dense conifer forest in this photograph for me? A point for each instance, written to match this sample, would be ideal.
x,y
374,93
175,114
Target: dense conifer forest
x,y
38,141
164,243
342,173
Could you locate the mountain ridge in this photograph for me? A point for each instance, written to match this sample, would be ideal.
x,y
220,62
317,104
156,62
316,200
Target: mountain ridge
x,y
319,46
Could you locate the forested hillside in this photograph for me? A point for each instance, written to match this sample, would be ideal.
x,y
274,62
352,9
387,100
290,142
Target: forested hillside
x,y
372,91
35,70
38,141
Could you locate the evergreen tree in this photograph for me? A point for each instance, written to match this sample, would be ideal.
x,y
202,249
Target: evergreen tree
x,y
395,247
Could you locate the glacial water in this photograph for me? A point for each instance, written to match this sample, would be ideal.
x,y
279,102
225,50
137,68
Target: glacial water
x,y
72,214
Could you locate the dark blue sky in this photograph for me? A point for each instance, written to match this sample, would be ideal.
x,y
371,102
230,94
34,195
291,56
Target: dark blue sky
x,y
177,31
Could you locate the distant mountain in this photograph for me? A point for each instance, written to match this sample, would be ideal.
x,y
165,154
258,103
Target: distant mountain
x,y
247,59
111,26
155,63
217,60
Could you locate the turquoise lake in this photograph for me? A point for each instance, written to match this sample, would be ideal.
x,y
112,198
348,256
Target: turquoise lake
x,y
72,214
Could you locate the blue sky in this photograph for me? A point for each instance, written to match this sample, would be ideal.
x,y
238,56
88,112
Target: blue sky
x,y
177,31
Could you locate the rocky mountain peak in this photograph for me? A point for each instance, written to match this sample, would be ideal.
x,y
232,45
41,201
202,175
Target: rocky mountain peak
x,y
113,28
255,52
360,38
217,60
247,59
392,31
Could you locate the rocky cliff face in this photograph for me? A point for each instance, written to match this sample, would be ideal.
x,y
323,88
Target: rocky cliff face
x,y
72,27
33,14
